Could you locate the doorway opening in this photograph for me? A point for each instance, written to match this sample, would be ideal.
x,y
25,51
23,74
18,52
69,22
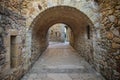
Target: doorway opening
x,y
59,33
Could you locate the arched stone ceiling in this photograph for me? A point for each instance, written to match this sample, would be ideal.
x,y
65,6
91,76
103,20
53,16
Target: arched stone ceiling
x,y
70,16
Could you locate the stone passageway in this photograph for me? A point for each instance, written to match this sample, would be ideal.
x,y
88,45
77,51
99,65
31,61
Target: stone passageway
x,y
61,62
92,28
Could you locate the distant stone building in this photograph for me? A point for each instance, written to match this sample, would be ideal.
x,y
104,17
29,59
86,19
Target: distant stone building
x,y
57,33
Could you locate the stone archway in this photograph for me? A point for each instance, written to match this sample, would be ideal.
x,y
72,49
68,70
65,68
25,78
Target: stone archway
x,y
74,18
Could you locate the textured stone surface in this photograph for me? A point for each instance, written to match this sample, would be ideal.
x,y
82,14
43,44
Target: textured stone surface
x,y
11,24
110,18
102,50
61,62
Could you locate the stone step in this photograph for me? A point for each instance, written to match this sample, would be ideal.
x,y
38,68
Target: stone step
x,y
56,70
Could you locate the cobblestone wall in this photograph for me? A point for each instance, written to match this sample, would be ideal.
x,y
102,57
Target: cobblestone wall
x,y
109,56
11,24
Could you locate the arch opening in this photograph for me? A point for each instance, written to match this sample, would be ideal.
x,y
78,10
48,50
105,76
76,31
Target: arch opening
x,y
74,19
59,33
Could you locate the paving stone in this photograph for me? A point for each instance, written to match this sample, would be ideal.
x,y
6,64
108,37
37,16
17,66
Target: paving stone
x,y
32,76
74,76
59,76
62,62
47,78
41,75
38,79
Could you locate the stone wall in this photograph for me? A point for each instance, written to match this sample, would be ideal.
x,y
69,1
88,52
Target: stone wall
x,y
12,44
37,50
83,43
102,50
109,56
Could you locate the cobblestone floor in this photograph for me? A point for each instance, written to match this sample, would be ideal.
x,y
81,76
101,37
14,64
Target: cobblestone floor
x,y
61,62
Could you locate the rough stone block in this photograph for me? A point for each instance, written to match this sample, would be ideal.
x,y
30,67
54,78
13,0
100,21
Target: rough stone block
x,y
109,35
117,40
115,45
112,18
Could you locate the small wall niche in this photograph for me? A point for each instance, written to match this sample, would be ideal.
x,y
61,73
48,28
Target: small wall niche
x,y
12,45
88,32
12,51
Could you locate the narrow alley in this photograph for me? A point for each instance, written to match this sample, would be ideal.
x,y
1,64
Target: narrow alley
x,y
59,39
61,62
